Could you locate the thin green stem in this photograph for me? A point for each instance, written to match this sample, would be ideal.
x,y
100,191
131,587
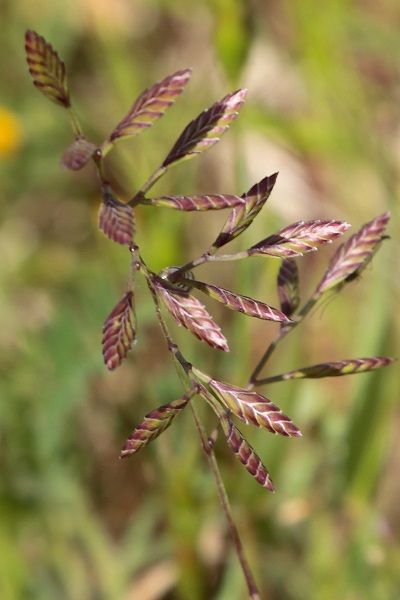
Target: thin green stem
x,y
138,197
273,379
208,256
172,347
196,262
253,381
76,126
230,257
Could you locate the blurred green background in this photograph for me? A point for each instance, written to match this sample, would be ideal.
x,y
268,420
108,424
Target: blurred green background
x,y
323,109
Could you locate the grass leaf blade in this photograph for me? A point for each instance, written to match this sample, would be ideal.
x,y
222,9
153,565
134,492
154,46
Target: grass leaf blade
x,y
47,69
198,202
191,313
298,238
149,106
153,425
245,454
204,131
119,332
288,286
242,216
338,368
355,254
243,304
253,408
116,219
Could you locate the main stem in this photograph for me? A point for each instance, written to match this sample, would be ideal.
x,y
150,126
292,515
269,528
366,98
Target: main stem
x,y
208,451
252,588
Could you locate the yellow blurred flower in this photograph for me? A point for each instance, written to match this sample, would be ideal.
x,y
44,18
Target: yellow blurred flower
x,y
10,132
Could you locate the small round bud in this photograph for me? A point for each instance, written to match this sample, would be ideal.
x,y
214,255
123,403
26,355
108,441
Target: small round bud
x,y
178,284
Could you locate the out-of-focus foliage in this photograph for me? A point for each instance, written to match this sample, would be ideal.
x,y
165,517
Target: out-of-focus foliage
x,y
323,109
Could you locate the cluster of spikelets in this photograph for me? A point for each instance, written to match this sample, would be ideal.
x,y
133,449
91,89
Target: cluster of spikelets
x,y
172,288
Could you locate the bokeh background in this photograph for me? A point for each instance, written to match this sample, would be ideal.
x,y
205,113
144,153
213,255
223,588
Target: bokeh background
x,y
323,109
